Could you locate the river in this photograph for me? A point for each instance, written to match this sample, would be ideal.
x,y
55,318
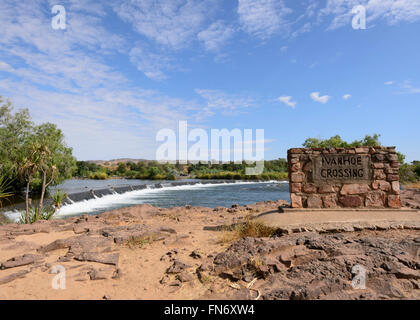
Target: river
x,y
163,194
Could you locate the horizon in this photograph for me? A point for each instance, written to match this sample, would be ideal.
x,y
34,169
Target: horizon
x,y
118,72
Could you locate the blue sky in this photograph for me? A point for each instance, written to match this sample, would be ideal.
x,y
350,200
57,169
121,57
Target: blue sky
x,y
122,70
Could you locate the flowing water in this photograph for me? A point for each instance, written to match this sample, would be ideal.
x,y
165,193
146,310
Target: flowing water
x,y
165,194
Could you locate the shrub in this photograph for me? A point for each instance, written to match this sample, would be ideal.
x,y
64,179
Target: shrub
x,y
99,175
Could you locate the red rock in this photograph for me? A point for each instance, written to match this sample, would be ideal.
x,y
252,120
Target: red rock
x,y
297,177
379,174
379,157
354,188
314,202
393,177
295,150
392,157
295,187
378,165
394,201
351,201
381,185
294,160
326,189
307,167
295,167
296,201
375,199
396,187
395,164
362,150
309,188
330,201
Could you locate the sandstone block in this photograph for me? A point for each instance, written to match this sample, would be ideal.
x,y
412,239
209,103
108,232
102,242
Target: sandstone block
x,y
295,167
329,201
392,177
362,150
378,165
309,188
392,157
381,185
396,187
314,202
351,201
296,200
394,201
354,188
326,189
297,177
379,174
295,187
375,199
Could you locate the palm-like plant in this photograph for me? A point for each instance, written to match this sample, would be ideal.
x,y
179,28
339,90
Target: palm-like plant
x,y
4,186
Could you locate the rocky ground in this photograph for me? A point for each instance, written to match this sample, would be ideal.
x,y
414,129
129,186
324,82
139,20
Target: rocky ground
x,y
144,252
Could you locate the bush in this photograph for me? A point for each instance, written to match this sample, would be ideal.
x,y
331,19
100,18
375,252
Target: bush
x,y
98,175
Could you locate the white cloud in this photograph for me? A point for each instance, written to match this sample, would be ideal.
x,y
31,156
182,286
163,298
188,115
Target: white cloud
x,y
216,35
5,67
390,11
65,77
220,100
388,83
347,96
408,88
173,23
288,101
303,29
150,63
315,96
263,18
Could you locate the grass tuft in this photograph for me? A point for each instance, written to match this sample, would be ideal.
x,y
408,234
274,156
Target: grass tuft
x,y
249,228
140,242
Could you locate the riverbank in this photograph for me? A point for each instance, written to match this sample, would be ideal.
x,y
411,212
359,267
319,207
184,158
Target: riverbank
x,y
145,252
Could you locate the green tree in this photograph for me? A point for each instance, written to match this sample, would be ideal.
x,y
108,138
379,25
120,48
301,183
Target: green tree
x,y
15,130
55,160
337,142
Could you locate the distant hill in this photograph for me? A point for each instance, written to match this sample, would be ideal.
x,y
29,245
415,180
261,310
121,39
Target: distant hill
x,y
115,162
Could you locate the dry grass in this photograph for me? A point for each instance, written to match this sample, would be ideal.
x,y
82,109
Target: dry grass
x,y
4,219
140,242
249,228
413,185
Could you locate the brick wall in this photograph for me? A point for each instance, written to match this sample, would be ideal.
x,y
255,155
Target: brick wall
x,y
344,177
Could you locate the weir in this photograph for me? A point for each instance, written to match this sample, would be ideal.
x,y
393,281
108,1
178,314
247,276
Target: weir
x,y
91,194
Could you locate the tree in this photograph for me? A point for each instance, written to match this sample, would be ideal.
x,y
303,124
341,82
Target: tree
x,y
337,142
27,168
55,160
15,130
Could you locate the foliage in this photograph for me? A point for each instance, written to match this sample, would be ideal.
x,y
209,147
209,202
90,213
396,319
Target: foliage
x,y
4,187
337,142
32,156
44,213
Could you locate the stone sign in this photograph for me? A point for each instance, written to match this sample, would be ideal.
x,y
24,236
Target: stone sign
x,y
341,168
344,177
